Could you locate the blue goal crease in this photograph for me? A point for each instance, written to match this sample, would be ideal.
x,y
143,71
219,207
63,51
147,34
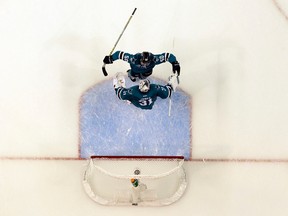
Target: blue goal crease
x,y
109,126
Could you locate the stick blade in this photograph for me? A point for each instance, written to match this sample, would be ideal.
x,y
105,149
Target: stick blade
x,y
104,70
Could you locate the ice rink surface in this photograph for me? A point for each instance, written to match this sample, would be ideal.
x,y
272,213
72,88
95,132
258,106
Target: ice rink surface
x,y
233,57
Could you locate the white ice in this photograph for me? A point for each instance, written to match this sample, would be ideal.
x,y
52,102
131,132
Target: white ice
x,y
234,63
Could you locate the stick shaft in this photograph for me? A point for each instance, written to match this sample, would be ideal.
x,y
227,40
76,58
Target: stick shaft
x,y
170,104
103,67
123,30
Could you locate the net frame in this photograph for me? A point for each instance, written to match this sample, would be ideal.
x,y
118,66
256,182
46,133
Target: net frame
x,y
177,171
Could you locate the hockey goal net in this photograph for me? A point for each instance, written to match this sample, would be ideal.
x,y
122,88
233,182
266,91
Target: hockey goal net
x,y
135,180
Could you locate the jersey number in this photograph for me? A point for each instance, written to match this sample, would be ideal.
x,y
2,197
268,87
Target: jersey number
x,y
145,101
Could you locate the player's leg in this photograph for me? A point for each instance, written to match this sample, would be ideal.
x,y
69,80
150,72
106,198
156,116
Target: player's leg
x,y
133,77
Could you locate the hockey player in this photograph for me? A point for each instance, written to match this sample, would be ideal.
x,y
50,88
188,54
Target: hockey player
x,y
142,64
145,94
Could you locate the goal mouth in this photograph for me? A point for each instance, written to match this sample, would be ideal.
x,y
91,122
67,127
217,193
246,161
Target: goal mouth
x,y
136,180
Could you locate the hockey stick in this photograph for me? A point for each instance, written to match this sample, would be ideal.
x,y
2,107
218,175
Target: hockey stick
x,y
170,104
103,67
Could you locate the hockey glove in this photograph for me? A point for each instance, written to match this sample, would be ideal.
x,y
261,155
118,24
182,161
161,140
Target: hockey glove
x,y
119,80
176,67
108,60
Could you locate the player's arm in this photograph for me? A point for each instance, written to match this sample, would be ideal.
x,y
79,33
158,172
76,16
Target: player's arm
x,y
117,55
163,91
121,93
119,87
166,91
161,58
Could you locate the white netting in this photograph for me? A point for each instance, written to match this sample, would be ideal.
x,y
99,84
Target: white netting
x,y
162,180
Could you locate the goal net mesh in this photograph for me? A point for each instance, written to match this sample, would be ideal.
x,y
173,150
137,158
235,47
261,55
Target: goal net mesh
x,y
146,181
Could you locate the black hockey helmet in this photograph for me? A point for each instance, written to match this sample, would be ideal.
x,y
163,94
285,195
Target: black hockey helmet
x,y
144,85
146,57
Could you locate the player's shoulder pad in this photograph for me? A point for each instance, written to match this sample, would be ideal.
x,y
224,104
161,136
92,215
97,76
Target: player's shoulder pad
x,y
157,87
132,89
154,86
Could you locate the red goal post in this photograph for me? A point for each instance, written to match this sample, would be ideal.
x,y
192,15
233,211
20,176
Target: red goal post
x,y
137,180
